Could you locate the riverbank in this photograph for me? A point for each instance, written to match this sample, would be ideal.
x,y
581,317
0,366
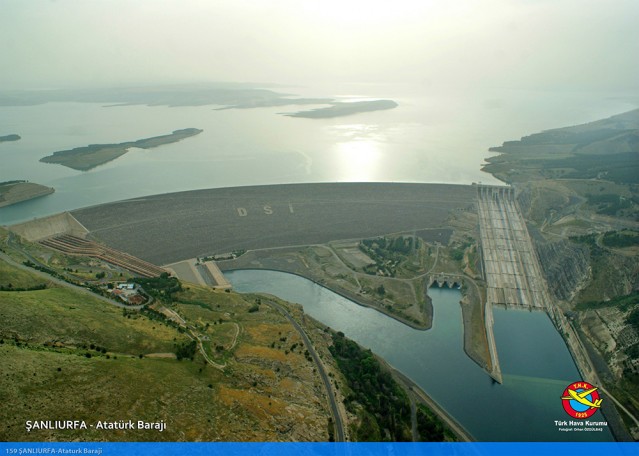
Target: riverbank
x,y
473,317
583,357
338,291
418,393
16,192
291,261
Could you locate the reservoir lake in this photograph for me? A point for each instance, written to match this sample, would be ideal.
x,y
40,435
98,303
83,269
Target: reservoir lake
x,y
535,361
432,136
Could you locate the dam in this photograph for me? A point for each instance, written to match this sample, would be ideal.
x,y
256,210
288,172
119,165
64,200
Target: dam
x,y
168,228
175,230
510,265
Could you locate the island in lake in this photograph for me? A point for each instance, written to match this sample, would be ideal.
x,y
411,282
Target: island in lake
x,y
12,192
88,157
222,95
338,109
8,138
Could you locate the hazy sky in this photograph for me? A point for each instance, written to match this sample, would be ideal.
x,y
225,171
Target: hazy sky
x,y
535,44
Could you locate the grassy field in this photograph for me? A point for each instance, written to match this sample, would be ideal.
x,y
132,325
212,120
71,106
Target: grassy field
x,y
50,385
60,315
70,356
11,277
67,355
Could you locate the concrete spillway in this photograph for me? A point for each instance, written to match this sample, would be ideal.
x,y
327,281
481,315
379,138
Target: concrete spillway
x,y
513,273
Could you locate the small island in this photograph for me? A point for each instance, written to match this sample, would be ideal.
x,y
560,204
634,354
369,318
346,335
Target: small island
x,y
16,191
8,138
338,109
88,157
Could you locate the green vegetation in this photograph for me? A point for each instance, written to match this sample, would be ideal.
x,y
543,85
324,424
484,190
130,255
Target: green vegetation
x,y
430,428
12,278
255,307
606,149
621,239
381,405
457,252
62,317
10,287
624,303
186,350
633,318
57,342
609,203
59,384
589,240
88,157
163,287
388,253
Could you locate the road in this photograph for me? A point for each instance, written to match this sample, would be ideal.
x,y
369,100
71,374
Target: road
x,y
337,419
60,282
415,390
618,404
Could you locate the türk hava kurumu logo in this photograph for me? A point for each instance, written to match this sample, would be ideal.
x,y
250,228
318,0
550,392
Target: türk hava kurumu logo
x,y
581,400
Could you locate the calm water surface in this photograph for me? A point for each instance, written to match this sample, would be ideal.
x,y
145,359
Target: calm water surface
x,y
430,137
534,359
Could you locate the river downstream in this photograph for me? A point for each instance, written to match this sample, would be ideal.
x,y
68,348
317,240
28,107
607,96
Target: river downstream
x,y
535,362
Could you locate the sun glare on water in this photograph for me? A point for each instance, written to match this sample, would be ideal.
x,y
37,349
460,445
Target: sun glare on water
x,y
359,160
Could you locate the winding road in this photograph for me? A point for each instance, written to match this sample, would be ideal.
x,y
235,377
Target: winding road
x,y
337,419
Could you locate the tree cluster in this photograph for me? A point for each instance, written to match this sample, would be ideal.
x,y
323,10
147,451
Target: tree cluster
x,y
386,409
162,287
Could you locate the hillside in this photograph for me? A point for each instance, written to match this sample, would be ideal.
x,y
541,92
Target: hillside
x,y
604,149
70,356
13,192
577,188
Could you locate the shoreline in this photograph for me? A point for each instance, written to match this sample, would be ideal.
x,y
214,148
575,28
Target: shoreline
x,y
410,386
11,194
413,388
337,292
88,157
